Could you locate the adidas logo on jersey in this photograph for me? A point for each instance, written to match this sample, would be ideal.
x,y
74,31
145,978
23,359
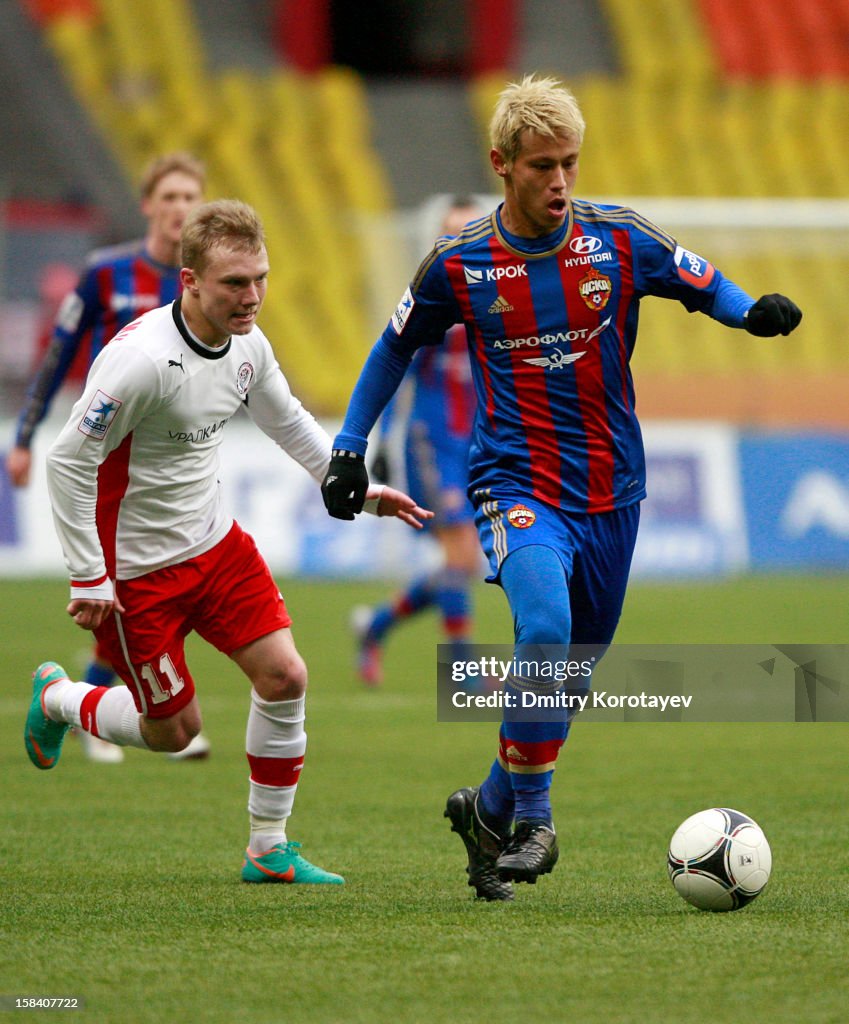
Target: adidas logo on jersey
x,y
501,305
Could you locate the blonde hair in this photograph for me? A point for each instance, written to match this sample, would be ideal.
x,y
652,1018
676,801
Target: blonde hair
x,y
156,170
227,222
541,105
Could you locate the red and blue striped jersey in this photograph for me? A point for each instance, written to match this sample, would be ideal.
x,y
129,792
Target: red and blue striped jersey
x,y
444,393
550,328
118,284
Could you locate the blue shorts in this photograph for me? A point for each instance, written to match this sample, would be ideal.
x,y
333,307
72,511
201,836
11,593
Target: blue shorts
x,y
595,551
438,474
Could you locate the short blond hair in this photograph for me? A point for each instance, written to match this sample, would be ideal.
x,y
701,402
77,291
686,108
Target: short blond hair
x,y
228,222
541,105
156,170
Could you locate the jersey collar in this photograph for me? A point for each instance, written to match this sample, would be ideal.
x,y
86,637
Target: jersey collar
x,y
534,248
195,344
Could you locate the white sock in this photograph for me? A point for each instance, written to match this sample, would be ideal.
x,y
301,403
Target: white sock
x,y
64,699
275,744
118,720
113,711
266,833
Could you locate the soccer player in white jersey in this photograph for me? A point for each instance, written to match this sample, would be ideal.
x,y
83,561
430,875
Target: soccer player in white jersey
x,y
152,554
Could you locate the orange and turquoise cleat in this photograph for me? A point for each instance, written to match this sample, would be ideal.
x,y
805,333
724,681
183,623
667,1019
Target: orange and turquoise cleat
x,y
42,736
283,863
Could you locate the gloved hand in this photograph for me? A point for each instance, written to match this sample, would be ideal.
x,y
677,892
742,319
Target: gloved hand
x,y
380,473
345,485
771,315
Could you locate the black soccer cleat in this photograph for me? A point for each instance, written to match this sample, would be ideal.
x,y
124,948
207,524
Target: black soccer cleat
x,y
482,845
530,852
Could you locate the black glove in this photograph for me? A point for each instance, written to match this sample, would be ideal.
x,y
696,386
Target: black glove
x,y
344,488
771,315
380,472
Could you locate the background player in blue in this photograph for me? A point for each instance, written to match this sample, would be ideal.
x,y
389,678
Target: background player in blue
x,y
438,427
548,288
118,284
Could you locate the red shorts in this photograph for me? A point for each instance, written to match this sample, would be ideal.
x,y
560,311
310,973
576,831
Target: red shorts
x,y
227,595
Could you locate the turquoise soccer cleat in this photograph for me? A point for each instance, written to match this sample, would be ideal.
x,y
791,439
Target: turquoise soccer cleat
x,y
42,736
283,863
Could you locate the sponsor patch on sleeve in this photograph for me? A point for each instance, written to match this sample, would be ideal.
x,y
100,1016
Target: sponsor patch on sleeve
x,y
70,311
402,313
693,269
98,417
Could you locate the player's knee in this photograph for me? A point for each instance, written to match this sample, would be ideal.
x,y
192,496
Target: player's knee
x,y
540,623
283,680
170,735
180,740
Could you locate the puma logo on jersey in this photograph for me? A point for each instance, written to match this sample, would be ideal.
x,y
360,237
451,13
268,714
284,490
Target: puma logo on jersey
x,y
173,362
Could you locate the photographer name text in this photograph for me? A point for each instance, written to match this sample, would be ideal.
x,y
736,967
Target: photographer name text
x,y
575,702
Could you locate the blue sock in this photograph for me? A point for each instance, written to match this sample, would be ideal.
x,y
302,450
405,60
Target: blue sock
x,y
537,745
534,804
419,595
99,675
496,799
451,594
535,582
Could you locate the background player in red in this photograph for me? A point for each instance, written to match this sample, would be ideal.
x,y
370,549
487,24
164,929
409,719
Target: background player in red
x,y
119,283
549,289
438,408
152,553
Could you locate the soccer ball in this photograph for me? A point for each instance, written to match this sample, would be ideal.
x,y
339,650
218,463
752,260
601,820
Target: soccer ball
x,y
719,859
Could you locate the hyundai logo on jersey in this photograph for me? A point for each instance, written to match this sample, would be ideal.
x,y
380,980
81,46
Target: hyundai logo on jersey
x,y
585,244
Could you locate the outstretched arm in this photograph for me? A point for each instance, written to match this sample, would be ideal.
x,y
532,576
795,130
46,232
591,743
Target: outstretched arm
x,y
772,315
426,310
387,501
78,311
344,487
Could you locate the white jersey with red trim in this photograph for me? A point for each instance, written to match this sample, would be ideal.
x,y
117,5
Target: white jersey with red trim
x,y
133,476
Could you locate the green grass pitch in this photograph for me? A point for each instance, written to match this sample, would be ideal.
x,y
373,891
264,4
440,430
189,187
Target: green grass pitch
x,y
120,884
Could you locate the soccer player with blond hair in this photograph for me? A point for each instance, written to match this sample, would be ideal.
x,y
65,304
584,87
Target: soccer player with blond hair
x,y
549,289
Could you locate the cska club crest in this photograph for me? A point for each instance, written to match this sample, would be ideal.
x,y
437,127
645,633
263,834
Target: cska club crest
x,y
595,289
521,517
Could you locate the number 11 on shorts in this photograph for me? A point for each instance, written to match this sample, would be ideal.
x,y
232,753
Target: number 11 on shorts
x,y
164,685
